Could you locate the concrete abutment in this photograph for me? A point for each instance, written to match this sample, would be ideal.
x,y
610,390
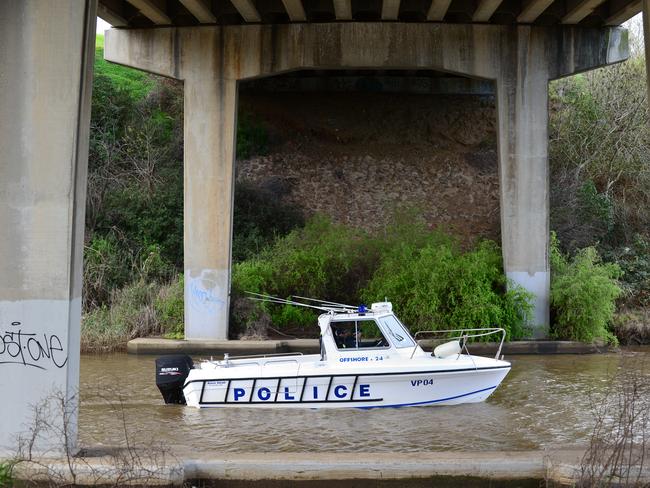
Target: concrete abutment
x,y
519,59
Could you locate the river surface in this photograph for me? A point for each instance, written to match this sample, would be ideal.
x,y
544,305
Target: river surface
x,y
545,401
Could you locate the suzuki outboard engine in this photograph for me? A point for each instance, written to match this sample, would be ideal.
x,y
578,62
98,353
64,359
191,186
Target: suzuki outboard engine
x,y
171,372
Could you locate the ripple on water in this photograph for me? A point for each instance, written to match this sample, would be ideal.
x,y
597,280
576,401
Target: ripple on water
x,y
544,401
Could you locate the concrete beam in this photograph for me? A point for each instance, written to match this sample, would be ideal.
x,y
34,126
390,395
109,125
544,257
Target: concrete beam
x,y
46,54
295,10
247,10
151,11
438,10
390,9
580,11
532,10
248,51
343,9
150,50
581,49
200,10
113,18
624,14
485,10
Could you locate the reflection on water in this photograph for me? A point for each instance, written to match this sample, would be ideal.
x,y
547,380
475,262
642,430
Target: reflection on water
x,y
543,402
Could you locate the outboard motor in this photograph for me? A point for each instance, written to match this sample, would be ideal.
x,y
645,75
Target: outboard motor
x,y
171,373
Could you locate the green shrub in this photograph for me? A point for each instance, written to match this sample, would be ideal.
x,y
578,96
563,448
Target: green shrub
x,y
431,282
153,266
632,327
288,315
147,218
169,306
433,286
6,474
599,153
583,294
321,260
139,309
634,261
107,266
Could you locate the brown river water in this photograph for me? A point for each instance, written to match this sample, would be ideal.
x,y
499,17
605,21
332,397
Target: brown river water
x,y
545,402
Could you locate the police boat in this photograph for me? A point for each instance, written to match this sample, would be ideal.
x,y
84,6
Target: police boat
x,y
368,359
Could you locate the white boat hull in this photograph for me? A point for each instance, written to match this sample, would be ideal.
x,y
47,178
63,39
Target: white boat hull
x,y
351,388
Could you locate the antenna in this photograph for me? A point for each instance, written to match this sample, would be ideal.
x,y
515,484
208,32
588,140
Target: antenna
x,y
322,305
324,302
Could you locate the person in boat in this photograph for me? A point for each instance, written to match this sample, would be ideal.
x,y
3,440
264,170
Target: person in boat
x,y
345,338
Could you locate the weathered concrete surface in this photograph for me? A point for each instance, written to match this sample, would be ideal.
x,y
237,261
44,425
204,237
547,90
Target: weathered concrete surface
x,y
249,51
522,117
646,41
159,346
209,128
500,468
46,56
520,59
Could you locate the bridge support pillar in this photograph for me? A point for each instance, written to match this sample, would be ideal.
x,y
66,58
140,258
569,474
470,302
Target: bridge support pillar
x,y
522,113
646,41
46,55
210,121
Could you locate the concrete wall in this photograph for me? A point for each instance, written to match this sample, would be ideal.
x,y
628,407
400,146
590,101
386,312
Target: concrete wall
x,y
520,59
46,53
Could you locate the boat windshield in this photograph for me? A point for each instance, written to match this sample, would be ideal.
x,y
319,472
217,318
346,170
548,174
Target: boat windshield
x,y
396,331
358,334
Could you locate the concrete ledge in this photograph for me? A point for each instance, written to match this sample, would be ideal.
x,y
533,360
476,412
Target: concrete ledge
x,y
515,468
481,468
159,346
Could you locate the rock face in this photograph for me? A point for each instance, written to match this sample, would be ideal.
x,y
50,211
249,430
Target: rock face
x,y
358,156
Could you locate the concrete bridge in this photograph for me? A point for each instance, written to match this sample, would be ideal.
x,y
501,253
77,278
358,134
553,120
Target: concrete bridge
x,y
46,56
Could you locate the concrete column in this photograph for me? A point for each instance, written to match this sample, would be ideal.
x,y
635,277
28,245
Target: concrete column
x,y
46,56
646,42
210,121
522,111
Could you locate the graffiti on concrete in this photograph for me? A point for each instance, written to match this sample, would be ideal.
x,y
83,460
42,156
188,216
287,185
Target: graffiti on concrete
x,y
38,350
205,299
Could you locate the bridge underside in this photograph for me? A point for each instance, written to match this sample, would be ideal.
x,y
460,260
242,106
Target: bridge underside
x,y
211,60
46,53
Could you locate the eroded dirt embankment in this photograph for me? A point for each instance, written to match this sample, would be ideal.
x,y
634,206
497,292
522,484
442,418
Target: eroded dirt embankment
x,y
356,156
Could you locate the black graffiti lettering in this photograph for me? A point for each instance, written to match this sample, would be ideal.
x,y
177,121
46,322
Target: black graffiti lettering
x,y
59,348
30,349
36,350
12,344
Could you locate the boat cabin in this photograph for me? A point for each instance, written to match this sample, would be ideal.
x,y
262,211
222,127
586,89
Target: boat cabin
x,y
375,334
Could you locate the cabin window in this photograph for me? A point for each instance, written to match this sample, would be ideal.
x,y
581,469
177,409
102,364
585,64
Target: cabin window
x,y
396,331
358,334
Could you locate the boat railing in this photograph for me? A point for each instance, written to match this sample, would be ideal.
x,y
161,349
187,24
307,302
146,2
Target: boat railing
x,y
464,336
257,359
251,356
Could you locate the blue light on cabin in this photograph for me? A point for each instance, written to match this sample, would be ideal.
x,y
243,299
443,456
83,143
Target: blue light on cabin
x,y
362,309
